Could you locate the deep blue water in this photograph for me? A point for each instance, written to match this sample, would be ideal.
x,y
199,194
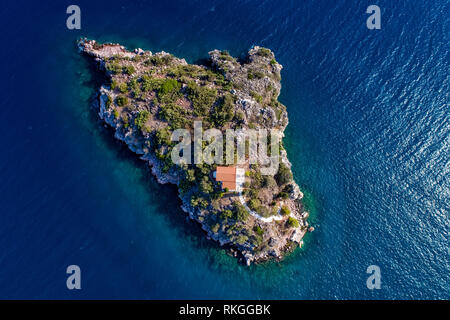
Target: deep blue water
x,y
368,137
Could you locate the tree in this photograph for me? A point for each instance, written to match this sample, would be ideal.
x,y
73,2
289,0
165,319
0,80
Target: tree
x,y
199,202
206,186
269,182
226,214
190,175
240,212
284,174
123,87
241,239
121,101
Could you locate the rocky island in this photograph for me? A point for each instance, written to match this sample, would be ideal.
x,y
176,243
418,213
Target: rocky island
x,y
148,96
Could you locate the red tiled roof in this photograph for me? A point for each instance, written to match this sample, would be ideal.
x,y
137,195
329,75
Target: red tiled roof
x,y
229,185
226,175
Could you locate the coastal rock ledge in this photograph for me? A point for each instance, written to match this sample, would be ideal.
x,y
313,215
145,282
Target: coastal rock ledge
x,y
147,96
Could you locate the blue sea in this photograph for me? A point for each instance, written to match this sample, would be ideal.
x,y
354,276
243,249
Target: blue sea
x,y
368,138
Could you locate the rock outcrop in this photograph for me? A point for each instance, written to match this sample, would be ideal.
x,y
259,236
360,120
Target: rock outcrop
x,y
149,95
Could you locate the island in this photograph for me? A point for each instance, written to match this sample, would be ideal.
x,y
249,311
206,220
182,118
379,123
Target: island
x,y
148,97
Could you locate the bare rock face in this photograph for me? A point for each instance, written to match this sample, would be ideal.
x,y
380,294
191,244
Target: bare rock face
x,y
147,96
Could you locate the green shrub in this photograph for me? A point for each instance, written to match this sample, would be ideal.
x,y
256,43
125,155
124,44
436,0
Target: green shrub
x,y
285,210
168,86
190,175
180,71
226,214
215,228
240,212
258,230
273,61
123,87
253,193
159,60
169,91
114,67
129,70
175,115
167,163
121,101
133,84
199,202
292,222
114,84
254,204
264,211
284,174
150,84
239,116
238,86
269,182
256,96
108,101
224,111
125,120
206,186
283,195
274,210
202,170
225,55
241,239
264,52
202,98
257,179
141,119
163,137
203,203
258,74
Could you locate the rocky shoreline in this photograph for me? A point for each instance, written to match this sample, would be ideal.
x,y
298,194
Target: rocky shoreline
x,y
136,78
